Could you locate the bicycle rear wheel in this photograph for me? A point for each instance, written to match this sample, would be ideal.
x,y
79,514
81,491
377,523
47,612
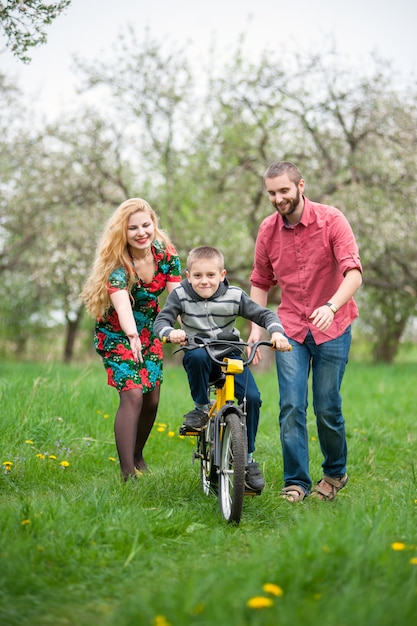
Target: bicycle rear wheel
x,y
232,469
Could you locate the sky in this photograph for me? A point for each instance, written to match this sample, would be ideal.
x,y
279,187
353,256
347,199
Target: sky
x,y
90,29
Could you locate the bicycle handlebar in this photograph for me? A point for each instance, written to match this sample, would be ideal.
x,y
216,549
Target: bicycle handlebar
x,y
228,346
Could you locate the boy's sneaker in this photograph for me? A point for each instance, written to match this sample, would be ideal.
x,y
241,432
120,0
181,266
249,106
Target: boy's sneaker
x,y
254,480
196,419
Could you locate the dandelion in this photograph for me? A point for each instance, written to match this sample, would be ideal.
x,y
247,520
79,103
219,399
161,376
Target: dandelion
x,y
171,433
52,456
106,416
161,620
64,464
273,589
259,602
111,458
313,438
40,455
29,442
161,429
198,609
413,560
25,522
398,546
7,465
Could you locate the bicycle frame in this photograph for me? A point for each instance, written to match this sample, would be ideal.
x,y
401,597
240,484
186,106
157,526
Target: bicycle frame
x,y
225,400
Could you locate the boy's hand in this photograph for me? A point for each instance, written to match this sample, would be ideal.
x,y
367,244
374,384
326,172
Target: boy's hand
x,y
280,342
177,336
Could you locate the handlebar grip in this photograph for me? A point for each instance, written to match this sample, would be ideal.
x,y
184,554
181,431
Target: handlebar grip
x,y
287,350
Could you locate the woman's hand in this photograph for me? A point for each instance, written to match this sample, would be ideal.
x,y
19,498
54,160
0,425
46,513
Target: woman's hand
x,y
136,347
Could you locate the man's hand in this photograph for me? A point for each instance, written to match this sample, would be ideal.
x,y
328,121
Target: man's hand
x,y
255,335
322,317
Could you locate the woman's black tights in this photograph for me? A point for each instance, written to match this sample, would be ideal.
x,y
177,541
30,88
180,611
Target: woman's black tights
x,y
133,424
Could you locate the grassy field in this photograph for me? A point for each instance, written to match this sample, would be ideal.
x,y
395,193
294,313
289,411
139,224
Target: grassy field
x,y
80,547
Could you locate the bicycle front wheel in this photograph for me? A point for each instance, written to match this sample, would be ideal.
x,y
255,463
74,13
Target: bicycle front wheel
x,y
232,469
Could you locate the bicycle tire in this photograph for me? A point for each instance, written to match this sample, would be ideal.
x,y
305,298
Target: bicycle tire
x,y
232,469
208,476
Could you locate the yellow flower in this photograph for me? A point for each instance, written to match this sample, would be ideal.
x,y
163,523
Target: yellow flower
x,y
111,458
106,416
7,463
273,589
259,602
64,464
25,522
398,545
40,455
160,429
52,456
161,620
413,561
171,433
29,441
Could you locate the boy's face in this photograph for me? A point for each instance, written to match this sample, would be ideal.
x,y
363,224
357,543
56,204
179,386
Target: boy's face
x,y
204,276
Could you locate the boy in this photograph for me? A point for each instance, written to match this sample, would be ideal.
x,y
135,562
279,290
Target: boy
x,y
207,305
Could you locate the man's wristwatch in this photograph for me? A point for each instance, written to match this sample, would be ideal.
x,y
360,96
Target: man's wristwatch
x,y
332,307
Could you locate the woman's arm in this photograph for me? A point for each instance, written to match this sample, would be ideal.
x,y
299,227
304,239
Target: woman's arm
x,y
121,302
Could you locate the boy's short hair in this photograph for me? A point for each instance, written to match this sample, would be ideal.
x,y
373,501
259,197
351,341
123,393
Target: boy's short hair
x,y
205,252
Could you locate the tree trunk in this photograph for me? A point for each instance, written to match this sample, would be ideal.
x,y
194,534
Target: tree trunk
x,y
386,347
71,335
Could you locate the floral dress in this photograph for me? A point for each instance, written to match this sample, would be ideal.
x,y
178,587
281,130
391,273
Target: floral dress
x,y
113,345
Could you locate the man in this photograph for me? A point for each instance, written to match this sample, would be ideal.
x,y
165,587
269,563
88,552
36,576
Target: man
x,y
309,250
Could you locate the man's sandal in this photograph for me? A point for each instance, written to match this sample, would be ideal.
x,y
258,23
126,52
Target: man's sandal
x,y
336,484
293,493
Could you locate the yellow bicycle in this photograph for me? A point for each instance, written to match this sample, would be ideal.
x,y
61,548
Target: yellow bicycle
x,y
221,446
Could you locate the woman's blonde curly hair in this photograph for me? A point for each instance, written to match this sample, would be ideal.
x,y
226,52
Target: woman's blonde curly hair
x,y
112,252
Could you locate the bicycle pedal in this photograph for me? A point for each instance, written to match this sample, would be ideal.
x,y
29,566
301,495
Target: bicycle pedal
x,y
186,432
252,492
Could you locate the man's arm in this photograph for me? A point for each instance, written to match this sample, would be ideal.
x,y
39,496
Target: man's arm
x,y
261,297
323,316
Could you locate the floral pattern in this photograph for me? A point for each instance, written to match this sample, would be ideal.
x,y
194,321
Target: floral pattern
x,y
111,342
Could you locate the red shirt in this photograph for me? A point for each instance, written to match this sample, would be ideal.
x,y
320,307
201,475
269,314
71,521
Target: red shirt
x,y
308,261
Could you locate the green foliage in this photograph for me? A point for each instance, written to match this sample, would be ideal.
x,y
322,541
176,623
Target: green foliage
x,y
23,23
195,144
79,546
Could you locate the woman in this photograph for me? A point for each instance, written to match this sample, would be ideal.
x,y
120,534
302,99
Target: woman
x,y
135,261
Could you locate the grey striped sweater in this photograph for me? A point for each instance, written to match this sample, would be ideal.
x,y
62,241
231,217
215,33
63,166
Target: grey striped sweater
x,y
212,316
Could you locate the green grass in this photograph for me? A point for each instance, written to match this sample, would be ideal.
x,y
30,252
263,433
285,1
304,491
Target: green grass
x,y
80,547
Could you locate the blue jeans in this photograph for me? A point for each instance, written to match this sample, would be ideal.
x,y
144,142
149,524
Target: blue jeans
x,y
328,363
200,370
